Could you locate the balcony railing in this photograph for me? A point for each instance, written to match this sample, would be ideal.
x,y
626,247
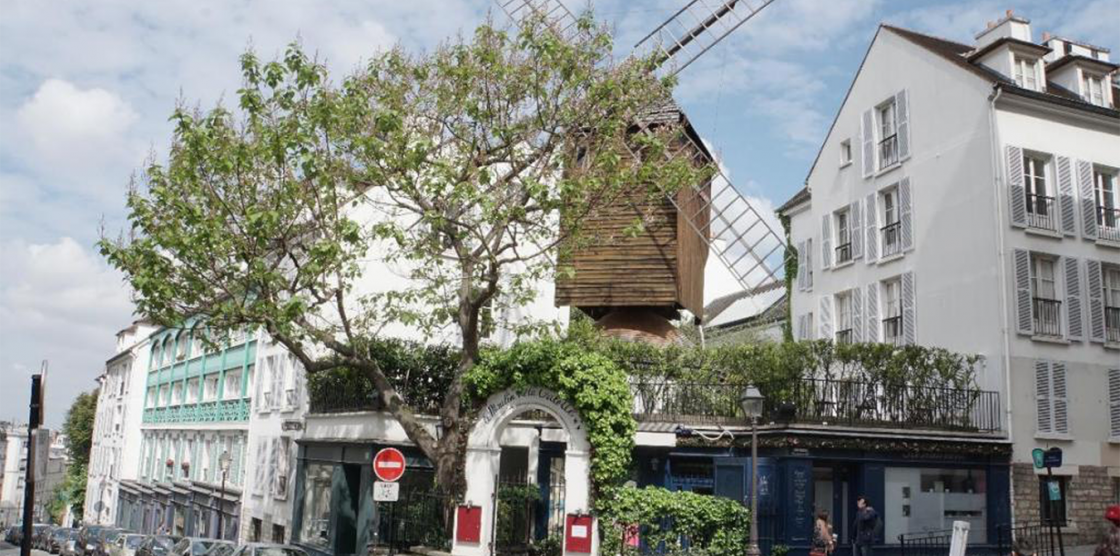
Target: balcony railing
x,y
844,336
1047,317
843,252
205,412
1108,223
823,401
892,330
1040,212
1112,324
888,151
892,238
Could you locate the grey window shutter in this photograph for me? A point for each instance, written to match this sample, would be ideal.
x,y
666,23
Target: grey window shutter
x,y
857,315
855,226
1066,197
867,131
799,332
1094,282
1074,319
1114,402
873,312
809,264
906,213
1045,418
909,326
1015,190
273,467
801,266
826,241
826,317
1088,199
1058,394
1024,321
902,108
809,326
871,215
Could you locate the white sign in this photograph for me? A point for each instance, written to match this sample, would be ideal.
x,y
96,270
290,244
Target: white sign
x,y
386,492
960,538
579,531
41,443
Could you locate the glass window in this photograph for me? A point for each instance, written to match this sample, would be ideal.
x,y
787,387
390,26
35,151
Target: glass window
x,y
1026,73
888,137
233,385
892,311
844,317
1111,286
845,151
843,237
1042,278
1108,199
314,529
931,499
1092,87
1052,510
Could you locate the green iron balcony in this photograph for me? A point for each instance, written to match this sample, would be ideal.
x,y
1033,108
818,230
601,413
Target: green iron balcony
x,y
223,411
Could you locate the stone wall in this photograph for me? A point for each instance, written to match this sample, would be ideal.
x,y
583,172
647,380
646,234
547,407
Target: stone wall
x,y
1087,495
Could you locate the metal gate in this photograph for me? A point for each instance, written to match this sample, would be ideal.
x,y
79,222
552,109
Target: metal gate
x,y
515,502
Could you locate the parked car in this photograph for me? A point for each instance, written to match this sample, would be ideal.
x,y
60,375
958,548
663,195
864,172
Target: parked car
x,y
126,544
39,534
57,538
157,545
10,533
72,546
104,540
268,549
199,546
86,537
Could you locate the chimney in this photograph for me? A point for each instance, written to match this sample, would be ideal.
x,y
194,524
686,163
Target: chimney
x,y
1011,26
1046,37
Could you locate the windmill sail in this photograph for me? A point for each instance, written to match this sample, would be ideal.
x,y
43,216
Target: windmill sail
x,y
729,225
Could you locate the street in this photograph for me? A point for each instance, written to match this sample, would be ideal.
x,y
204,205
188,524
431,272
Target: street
x,y
9,549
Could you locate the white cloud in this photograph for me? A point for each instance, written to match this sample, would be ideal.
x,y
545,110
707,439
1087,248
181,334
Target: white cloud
x,y
60,302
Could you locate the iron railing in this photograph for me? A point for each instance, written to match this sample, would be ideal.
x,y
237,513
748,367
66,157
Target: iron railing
x,y
844,336
888,151
892,238
843,252
1027,538
892,330
824,401
1040,212
1108,223
418,518
1112,324
1047,317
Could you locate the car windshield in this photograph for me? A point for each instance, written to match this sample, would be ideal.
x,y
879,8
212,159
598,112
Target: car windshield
x,y
111,535
198,548
280,551
74,535
134,541
60,534
162,542
222,549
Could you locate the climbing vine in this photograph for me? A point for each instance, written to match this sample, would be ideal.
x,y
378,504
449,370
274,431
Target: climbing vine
x,y
790,273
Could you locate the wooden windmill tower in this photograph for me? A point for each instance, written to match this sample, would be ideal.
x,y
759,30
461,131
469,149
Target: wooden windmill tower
x,y
634,284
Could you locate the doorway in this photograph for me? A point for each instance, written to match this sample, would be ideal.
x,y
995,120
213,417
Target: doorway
x,y
832,493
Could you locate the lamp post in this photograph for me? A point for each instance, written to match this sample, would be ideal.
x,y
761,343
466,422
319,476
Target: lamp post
x,y
751,402
224,461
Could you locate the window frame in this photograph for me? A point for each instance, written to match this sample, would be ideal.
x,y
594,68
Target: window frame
x,y
844,316
892,319
1020,73
1106,199
1088,80
845,152
843,220
886,144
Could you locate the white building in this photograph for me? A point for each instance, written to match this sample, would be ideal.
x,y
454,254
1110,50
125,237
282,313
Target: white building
x,y
14,482
115,448
966,197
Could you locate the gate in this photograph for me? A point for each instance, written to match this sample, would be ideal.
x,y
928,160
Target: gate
x,y
515,501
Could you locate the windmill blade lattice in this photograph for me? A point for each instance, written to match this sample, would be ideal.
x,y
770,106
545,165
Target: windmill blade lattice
x,y
734,230
695,29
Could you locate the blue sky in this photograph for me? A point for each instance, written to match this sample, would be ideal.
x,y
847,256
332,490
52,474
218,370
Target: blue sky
x,y
86,88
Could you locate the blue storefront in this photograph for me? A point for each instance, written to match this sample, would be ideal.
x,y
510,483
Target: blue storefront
x,y
915,484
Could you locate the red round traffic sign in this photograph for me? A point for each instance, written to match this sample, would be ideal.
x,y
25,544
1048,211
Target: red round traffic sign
x,y
388,464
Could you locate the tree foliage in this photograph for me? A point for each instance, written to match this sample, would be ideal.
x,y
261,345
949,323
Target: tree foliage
x,y
467,170
78,428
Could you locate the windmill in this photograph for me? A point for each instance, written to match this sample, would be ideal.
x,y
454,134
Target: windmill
x,y
712,217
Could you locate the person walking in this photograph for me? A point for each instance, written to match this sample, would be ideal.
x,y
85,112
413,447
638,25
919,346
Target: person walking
x,y
1110,546
823,542
866,526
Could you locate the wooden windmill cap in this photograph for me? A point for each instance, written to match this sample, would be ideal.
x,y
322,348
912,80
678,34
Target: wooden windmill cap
x,y
639,325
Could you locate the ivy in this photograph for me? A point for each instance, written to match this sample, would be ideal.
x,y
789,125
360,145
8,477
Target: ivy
x,y
710,524
790,272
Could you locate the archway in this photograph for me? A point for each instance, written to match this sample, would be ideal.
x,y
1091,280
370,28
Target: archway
x,y
483,462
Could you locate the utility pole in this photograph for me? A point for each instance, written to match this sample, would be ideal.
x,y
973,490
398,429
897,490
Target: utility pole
x,y
34,418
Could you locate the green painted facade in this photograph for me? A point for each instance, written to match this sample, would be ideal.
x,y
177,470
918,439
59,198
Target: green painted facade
x,y
178,358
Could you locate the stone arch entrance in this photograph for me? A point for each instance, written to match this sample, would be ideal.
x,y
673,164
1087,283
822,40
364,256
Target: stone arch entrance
x,y
483,461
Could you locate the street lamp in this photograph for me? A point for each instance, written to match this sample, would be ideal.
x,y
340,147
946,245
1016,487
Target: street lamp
x,y
751,402
224,462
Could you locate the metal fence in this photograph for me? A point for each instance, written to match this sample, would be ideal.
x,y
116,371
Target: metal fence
x,y
824,401
418,518
1029,539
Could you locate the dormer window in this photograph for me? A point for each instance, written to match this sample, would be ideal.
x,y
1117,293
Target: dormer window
x,y
1092,89
1026,72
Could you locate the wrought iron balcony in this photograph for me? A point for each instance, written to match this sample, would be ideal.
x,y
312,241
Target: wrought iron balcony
x,y
1112,324
892,238
205,412
1041,213
1047,317
1108,223
844,252
888,151
892,330
825,402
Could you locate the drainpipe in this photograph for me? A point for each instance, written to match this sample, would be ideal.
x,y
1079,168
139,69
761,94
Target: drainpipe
x,y
1001,272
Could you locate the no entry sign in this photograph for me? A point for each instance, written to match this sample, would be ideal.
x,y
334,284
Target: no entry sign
x,y
388,464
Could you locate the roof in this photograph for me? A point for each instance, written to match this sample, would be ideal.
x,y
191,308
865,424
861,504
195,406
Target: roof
x,y
669,112
1071,58
798,198
1027,45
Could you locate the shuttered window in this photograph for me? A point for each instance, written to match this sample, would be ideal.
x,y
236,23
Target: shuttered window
x,y
892,311
1114,403
1052,415
909,310
844,317
1107,204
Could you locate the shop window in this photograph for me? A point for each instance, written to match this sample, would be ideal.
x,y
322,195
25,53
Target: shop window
x,y
317,505
1052,511
931,499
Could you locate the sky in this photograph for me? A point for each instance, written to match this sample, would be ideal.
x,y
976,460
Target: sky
x,y
86,89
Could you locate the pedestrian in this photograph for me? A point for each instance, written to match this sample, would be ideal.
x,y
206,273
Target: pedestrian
x,y
1110,546
823,543
866,526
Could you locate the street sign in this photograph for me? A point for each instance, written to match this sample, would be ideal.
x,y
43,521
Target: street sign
x,y
41,443
386,492
1053,457
1055,490
1038,454
388,464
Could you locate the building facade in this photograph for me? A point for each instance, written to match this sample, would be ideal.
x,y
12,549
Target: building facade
x,y
966,198
14,482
